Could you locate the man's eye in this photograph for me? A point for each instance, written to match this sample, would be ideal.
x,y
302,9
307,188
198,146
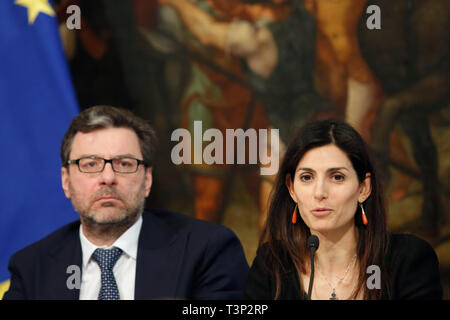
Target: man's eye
x,y
89,164
125,164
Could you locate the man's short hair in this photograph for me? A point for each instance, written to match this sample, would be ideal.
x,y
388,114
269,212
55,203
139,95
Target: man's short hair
x,y
102,117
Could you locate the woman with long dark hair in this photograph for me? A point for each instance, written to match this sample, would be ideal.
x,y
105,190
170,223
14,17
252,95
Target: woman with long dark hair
x,y
328,186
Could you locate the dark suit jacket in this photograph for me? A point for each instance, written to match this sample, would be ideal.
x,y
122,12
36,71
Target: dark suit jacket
x,y
178,257
413,271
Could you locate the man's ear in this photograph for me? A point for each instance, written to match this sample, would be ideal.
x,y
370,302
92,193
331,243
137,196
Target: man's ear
x,y
148,181
365,188
65,181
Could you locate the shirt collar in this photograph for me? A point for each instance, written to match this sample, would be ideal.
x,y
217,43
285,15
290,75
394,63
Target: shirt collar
x,y
127,242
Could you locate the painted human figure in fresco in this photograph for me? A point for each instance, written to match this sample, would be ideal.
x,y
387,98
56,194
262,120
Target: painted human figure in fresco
x,y
96,76
218,101
280,57
343,75
410,56
258,37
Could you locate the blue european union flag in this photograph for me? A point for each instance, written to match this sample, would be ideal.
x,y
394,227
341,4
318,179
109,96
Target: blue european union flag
x,y
37,103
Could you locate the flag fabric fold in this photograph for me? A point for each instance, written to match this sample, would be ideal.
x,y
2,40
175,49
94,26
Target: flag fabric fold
x,y
37,103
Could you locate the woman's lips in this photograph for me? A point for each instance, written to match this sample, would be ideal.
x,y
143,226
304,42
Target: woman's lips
x,y
321,212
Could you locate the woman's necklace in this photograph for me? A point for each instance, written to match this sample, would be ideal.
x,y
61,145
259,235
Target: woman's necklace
x,y
333,287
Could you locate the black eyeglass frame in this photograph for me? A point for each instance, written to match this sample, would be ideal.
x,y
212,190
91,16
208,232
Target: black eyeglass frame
x,y
105,161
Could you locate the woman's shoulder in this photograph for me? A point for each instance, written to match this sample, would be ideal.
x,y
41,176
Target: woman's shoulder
x,y
273,253
267,250
262,283
406,248
413,267
408,244
404,239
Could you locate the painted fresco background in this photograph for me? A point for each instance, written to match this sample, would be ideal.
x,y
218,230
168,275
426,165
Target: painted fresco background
x,y
391,84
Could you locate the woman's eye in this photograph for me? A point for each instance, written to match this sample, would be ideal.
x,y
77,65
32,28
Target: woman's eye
x,y
338,177
305,177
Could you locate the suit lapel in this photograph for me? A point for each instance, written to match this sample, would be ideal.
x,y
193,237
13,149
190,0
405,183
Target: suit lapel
x,y
67,254
158,260
160,253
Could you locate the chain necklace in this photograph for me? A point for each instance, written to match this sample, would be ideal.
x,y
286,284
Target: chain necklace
x,y
333,287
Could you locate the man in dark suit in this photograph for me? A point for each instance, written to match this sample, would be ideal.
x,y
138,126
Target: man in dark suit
x,y
117,250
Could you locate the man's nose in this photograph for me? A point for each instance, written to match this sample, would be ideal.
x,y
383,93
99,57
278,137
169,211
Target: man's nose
x,y
108,176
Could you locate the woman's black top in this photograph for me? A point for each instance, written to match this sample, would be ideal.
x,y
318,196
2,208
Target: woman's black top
x,y
413,271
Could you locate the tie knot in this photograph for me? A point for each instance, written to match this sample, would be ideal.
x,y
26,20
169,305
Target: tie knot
x,y
106,258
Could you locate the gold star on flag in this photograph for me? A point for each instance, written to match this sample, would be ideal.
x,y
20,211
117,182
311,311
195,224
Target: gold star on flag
x,y
35,7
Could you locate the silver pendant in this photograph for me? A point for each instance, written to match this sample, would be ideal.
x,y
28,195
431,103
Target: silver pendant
x,y
333,296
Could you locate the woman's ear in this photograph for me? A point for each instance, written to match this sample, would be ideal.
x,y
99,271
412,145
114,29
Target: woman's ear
x,y
290,186
365,188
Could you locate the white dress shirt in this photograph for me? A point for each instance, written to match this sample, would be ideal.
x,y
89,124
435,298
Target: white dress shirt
x,y
124,270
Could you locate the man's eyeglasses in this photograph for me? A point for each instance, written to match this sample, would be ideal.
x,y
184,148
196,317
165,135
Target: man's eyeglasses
x,y
96,165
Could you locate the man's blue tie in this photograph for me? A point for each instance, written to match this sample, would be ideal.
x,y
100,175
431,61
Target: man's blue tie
x,y
106,259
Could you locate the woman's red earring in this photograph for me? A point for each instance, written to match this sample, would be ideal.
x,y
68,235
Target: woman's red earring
x,y
363,215
294,215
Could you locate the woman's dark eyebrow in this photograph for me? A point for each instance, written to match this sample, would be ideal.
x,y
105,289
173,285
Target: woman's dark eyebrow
x,y
330,169
338,168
